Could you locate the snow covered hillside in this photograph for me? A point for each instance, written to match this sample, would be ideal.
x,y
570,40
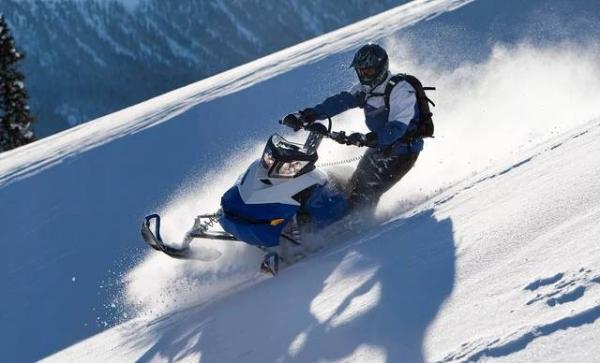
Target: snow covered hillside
x,y
503,265
487,249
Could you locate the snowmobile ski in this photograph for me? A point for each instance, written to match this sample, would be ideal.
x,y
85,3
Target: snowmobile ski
x,y
199,230
155,240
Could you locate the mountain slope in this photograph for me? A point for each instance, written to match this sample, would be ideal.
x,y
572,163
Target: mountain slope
x,y
72,202
498,267
477,207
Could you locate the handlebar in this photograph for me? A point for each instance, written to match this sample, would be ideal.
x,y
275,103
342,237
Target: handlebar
x,y
319,128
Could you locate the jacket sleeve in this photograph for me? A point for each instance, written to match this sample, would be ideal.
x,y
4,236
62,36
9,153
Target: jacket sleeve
x,y
403,109
337,104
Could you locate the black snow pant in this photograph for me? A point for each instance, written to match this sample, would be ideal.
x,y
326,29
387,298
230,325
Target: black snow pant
x,y
376,174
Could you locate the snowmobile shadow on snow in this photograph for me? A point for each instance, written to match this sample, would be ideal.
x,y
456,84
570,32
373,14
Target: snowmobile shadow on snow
x,y
377,294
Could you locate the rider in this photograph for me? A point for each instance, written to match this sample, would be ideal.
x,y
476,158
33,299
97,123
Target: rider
x,y
392,153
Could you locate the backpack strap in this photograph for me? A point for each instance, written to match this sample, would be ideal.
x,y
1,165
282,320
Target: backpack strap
x,y
404,77
425,127
389,86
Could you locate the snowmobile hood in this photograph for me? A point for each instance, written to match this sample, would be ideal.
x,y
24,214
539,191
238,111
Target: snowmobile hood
x,y
256,187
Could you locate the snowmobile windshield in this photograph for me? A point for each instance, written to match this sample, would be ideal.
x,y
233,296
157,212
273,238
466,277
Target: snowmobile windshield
x,y
286,159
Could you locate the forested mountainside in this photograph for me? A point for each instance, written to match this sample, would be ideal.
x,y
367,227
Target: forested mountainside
x,y
87,58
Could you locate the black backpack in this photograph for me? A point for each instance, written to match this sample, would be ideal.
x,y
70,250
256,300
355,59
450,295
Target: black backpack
x,y
425,125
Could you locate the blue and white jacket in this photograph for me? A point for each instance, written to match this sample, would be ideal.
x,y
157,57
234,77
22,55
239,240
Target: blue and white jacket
x,y
389,125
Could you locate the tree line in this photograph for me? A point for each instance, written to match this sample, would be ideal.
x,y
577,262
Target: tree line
x,y
15,115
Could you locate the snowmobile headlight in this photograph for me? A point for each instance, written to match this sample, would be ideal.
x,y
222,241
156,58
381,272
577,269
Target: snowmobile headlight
x,y
291,168
267,159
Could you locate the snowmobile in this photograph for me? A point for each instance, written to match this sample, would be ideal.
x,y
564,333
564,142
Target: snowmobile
x,y
270,203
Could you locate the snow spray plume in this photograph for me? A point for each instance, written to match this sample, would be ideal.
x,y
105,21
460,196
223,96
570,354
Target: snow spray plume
x,y
160,283
490,112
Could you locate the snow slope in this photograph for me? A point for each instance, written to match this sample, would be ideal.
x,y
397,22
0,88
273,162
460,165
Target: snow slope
x,y
72,203
446,278
503,265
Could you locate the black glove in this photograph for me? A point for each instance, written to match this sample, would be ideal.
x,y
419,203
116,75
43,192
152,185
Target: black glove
x,y
339,137
293,120
359,139
361,98
356,139
371,139
309,115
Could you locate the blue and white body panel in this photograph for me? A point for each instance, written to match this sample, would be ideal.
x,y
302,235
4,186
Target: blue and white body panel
x,y
257,208
255,189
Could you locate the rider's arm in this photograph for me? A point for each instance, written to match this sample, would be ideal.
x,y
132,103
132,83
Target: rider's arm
x,y
403,109
337,104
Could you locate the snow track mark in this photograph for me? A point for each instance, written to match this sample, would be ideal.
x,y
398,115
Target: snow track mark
x,y
567,297
566,139
555,290
544,281
564,290
520,340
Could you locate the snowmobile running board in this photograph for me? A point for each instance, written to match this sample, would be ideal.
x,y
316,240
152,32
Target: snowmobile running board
x,y
155,240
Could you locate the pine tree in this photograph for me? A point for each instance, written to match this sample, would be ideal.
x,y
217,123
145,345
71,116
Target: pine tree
x,y
15,117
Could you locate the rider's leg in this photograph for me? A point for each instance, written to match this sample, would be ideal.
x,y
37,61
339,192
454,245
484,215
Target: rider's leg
x,y
375,175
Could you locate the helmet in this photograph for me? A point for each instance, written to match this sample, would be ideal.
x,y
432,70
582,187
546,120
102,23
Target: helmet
x,y
371,64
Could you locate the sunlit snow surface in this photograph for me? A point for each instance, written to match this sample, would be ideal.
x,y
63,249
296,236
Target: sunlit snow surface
x,y
483,124
488,251
51,150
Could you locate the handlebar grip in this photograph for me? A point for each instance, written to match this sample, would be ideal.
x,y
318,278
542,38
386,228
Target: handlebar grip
x,y
316,127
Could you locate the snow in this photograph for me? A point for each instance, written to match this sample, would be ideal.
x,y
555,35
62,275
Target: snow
x,y
448,281
487,250
247,33
452,280
95,22
90,51
52,150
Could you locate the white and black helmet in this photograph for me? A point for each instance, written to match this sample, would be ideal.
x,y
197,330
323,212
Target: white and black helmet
x,y
371,64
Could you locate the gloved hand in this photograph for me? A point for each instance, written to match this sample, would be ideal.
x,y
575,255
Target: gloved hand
x,y
339,137
293,120
356,139
371,139
309,115
361,98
